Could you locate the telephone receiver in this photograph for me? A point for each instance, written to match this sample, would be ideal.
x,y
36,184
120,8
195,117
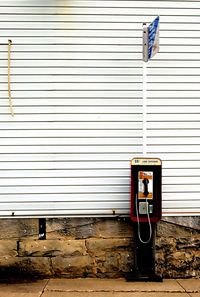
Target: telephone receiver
x,y
145,182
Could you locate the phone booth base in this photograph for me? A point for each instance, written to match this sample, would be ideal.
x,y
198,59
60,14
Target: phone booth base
x,y
146,207
144,257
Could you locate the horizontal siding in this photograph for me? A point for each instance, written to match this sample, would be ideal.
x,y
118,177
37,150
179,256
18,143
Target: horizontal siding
x,y
76,81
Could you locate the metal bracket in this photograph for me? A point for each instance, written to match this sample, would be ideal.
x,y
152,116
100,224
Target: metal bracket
x,y
145,42
42,229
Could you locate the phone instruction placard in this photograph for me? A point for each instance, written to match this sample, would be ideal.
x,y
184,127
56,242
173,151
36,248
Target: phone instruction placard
x,y
145,185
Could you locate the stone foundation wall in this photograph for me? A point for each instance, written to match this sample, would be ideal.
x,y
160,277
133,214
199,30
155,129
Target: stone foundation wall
x,y
93,248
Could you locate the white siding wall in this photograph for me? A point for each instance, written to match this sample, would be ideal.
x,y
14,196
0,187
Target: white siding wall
x,y
77,93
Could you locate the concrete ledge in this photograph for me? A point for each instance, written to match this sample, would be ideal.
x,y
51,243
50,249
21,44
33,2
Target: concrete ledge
x,y
190,285
114,285
101,287
2,294
33,288
113,294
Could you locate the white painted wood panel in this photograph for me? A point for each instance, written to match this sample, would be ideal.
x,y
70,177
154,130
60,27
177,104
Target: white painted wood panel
x,y
76,83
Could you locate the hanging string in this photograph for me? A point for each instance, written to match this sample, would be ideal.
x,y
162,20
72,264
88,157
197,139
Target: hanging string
x,y
9,89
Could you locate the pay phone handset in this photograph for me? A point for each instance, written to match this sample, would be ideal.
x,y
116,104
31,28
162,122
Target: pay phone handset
x,y
144,199
145,192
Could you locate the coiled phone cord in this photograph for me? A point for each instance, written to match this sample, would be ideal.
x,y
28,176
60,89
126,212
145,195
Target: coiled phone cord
x,y
138,223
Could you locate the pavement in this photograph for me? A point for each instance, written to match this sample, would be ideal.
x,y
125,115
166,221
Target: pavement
x,y
102,288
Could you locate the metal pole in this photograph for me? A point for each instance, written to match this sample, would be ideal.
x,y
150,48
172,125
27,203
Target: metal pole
x,y
144,89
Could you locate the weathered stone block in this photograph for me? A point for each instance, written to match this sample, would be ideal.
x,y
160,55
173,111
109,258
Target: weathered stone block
x,y
37,266
79,266
81,228
25,266
197,259
108,265
180,260
8,248
18,228
189,222
52,248
196,262
192,243
126,261
168,245
100,246
112,228
111,263
8,261
165,229
160,258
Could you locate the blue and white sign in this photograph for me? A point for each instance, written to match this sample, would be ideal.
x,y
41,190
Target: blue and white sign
x,y
153,38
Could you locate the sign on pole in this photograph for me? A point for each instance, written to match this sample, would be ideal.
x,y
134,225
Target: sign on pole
x,y
150,39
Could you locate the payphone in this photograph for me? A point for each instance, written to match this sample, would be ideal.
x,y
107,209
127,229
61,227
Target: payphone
x,y
146,197
146,202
